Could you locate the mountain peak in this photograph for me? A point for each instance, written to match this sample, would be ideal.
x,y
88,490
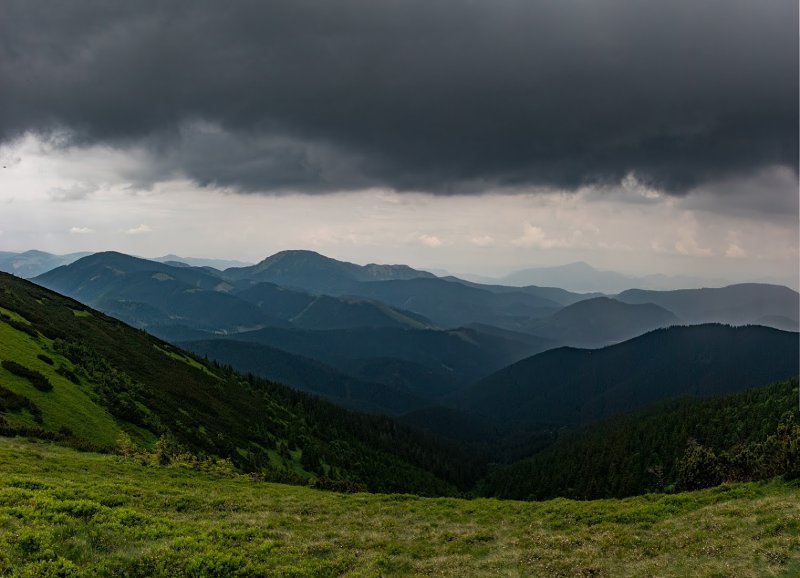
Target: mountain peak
x,y
311,271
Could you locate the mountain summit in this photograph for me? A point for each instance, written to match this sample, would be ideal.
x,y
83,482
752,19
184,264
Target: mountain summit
x,y
316,273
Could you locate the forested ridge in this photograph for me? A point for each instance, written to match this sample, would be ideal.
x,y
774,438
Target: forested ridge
x,y
684,443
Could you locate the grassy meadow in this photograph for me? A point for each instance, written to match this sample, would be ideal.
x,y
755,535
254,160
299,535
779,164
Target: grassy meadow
x,y
67,513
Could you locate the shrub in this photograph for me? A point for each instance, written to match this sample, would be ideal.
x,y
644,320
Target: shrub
x,y
699,468
20,326
64,371
38,380
342,486
10,401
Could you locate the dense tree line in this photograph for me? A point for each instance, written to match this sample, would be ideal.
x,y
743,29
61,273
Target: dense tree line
x,y
681,444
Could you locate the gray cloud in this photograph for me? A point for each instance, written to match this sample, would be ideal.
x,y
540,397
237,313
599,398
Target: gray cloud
x,y
443,96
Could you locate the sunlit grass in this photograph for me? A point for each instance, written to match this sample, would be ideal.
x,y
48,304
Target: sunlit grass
x,y
66,405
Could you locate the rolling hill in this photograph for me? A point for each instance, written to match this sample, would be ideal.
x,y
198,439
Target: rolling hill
x,y
601,321
568,386
310,375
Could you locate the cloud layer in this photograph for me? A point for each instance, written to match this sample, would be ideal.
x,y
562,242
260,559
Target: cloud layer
x,y
440,96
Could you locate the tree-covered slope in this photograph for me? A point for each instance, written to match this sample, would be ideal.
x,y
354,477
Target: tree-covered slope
x,y
309,375
465,354
107,377
454,304
569,386
741,436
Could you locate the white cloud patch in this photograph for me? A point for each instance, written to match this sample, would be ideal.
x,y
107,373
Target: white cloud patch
x,y
632,186
483,241
80,231
140,230
735,249
534,236
687,242
431,241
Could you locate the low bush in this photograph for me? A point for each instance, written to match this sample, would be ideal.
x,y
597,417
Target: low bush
x,y
38,380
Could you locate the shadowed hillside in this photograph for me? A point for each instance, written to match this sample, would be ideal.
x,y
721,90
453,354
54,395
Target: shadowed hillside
x,y
569,386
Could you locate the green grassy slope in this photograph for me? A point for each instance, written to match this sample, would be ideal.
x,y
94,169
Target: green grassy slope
x,y
64,513
129,381
66,406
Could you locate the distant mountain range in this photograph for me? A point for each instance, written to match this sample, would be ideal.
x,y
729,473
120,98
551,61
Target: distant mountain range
x,y
32,263
202,262
29,264
582,277
752,303
384,338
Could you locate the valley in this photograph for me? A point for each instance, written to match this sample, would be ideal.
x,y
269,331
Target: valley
x,y
387,384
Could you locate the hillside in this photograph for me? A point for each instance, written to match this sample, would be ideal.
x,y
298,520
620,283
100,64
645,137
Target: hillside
x,y
326,312
310,376
454,304
66,513
106,378
555,294
465,355
568,386
754,303
601,321
642,451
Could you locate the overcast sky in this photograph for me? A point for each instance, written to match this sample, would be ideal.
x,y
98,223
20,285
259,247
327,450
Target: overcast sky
x,y
476,136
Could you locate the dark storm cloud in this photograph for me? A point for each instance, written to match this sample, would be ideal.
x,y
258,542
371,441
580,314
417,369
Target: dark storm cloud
x,y
441,96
